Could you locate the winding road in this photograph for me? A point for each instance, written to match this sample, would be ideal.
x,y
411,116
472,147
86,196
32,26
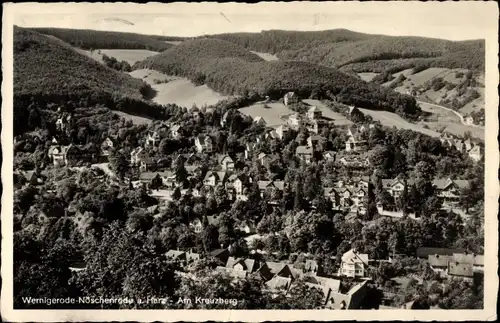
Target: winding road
x,y
460,117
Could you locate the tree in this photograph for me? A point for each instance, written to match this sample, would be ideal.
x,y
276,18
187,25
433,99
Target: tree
x,y
210,237
119,163
176,195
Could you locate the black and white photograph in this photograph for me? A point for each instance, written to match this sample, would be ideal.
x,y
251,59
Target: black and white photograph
x,y
269,156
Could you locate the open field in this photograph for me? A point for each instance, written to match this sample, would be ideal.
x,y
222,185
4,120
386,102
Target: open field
x,y
178,90
266,56
390,119
460,129
129,55
337,118
274,115
135,119
367,77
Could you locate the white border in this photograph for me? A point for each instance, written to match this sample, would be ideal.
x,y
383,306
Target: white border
x,y
483,14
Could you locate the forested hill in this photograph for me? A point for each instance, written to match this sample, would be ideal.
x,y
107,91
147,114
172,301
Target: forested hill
x,y
362,52
96,39
45,66
230,69
49,73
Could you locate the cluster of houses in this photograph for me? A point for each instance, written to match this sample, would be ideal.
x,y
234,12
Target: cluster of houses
x,y
464,146
350,194
280,276
70,155
453,263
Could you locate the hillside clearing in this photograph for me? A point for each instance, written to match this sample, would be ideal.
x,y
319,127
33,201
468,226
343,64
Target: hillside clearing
x,y
274,115
178,90
129,55
367,77
266,56
337,118
460,129
135,119
390,119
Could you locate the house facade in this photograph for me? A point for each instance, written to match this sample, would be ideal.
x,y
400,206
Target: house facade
x,y
449,190
290,98
314,113
203,143
353,264
227,163
305,153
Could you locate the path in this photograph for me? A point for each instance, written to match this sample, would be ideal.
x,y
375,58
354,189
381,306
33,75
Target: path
x,y
460,117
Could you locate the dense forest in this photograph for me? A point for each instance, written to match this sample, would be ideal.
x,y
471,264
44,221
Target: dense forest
x,y
96,39
341,48
230,69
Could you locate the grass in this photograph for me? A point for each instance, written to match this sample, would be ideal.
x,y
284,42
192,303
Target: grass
x,y
274,115
178,90
337,118
135,119
129,55
266,56
390,119
460,129
367,77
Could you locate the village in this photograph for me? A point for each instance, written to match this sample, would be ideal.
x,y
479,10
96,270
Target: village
x,y
203,171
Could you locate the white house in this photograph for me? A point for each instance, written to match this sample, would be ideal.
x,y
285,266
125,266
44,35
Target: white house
x,y
174,131
290,98
259,121
314,113
226,162
294,120
354,264
203,143
475,153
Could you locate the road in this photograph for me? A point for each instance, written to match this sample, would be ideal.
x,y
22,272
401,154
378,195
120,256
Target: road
x,y
460,117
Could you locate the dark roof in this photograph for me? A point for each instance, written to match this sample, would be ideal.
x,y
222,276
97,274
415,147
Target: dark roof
x,y
425,252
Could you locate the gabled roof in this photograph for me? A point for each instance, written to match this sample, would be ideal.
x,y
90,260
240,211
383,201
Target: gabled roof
x,y
311,265
175,254
353,257
304,150
175,127
313,109
192,256
439,261
460,269
217,252
316,138
424,252
259,119
278,283
248,264
475,150
222,157
261,155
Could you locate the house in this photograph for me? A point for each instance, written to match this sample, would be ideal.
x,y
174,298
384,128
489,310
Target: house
x,y
249,149
176,256
106,146
294,121
425,252
203,143
213,178
459,145
475,153
395,187
174,131
468,145
365,128
32,177
332,195
147,163
270,185
312,267
290,98
236,184
305,153
469,120
334,294
464,271
354,161
259,121
248,227
220,254
266,160
281,131
449,190
240,264
329,156
223,120
226,162
313,126
57,154
314,113
439,263
353,264
196,226
153,139
137,155
63,123
477,261
354,141
270,269
313,142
